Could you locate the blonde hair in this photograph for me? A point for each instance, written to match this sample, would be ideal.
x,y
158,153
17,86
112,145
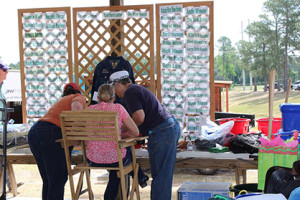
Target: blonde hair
x,y
106,92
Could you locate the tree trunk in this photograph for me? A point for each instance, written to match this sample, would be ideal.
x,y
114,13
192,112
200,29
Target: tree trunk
x,y
285,70
250,77
278,76
265,69
255,84
244,79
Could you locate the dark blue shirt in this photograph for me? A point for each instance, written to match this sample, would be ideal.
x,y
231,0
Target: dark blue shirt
x,y
105,68
139,98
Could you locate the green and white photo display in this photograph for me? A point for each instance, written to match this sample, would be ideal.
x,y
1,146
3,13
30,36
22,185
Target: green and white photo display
x,y
45,48
185,52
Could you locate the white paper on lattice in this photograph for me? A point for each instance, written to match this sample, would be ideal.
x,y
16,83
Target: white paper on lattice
x,y
197,65
174,65
113,15
176,51
197,50
173,81
178,43
172,58
174,34
94,15
197,58
197,111
176,18
197,76
175,100
192,10
199,35
167,73
137,14
171,9
197,102
196,41
196,23
171,21
169,88
179,112
196,19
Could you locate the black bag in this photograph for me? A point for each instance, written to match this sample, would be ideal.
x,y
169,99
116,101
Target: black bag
x,y
204,144
245,143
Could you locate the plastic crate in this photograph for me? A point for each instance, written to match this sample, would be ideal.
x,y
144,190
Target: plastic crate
x,y
290,113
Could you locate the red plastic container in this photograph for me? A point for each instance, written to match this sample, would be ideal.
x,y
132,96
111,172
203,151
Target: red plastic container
x,y
263,125
240,124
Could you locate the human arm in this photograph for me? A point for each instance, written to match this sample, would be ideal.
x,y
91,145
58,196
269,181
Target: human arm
x,y
130,127
138,117
76,105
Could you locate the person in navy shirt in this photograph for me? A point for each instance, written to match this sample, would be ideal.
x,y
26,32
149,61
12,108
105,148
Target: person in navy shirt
x,y
155,121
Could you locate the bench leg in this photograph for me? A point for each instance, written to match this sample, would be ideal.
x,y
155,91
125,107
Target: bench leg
x,y
12,179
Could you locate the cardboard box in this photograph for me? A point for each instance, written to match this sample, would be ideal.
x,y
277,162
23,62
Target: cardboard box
x,y
201,190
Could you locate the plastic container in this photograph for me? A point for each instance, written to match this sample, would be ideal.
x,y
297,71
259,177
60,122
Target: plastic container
x,y
240,124
287,135
245,189
263,125
290,113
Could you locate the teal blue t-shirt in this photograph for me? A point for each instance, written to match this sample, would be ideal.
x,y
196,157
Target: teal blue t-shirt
x,y
295,194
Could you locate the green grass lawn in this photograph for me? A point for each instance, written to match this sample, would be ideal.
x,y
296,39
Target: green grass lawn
x,y
246,101
257,103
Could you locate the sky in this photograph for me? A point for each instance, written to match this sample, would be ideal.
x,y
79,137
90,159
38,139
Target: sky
x,y
229,15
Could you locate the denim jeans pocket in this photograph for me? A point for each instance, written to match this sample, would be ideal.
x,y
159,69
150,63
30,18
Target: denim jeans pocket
x,y
169,133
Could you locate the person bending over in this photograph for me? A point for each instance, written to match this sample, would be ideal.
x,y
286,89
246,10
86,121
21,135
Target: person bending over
x,y
49,155
104,153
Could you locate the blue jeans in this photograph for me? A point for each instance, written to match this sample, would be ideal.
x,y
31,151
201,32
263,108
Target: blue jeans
x,y
162,148
114,182
50,158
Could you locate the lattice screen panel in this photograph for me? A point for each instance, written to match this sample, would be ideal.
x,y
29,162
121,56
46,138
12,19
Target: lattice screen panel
x,y
45,58
113,31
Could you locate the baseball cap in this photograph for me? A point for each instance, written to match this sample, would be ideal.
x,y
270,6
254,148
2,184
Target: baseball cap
x,y
74,85
3,67
117,76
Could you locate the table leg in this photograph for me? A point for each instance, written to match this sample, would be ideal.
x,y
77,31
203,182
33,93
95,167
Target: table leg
x,y
12,179
237,176
244,175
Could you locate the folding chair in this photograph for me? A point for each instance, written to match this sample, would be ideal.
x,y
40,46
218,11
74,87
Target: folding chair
x,y
90,125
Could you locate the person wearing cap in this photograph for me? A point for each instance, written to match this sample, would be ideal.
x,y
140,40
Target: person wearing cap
x,y
104,153
162,128
3,73
49,155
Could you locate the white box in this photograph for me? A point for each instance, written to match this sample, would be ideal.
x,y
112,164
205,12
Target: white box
x,y
201,190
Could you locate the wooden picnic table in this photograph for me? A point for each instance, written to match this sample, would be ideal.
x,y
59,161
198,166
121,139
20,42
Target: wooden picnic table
x,y
184,160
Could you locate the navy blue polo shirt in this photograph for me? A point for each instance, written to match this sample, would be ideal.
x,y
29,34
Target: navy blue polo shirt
x,y
137,98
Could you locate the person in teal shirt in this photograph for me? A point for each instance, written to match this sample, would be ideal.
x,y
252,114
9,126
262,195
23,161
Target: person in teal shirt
x,y
3,73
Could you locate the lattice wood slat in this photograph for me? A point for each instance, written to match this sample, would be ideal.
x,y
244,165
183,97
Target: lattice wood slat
x,y
131,38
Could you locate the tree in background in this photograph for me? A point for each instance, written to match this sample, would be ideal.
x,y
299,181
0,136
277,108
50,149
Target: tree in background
x,y
225,61
261,35
286,18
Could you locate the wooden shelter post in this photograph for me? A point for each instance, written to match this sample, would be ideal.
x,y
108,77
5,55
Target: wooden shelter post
x,y
117,51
